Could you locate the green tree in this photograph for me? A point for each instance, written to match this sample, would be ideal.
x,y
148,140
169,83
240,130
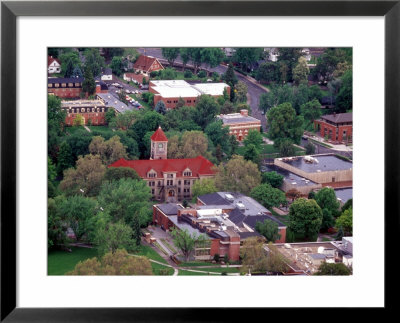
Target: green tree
x,y
268,196
251,153
344,100
118,263
51,176
118,65
79,142
290,57
254,259
334,269
114,236
311,110
268,72
240,90
184,53
230,78
267,101
170,54
301,71
305,219
87,176
327,201
65,158
110,115
345,221
193,144
276,262
227,107
126,199
254,137
310,148
109,151
284,124
111,52
237,175
273,178
79,121
94,62
218,134
167,74
269,229
347,205
212,56
286,148
185,241
69,69
79,213
55,124
69,60
89,85
206,110
117,173
246,57
203,186
160,107
56,223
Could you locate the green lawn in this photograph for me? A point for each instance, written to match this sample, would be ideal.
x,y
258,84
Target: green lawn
x,y
195,264
60,262
191,273
150,253
157,267
73,129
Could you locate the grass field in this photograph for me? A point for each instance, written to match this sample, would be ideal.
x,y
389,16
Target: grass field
x,y
60,262
150,253
72,130
157,268
191,273
195,264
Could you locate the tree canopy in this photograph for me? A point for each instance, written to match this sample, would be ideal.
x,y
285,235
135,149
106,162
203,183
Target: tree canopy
x,y
268,196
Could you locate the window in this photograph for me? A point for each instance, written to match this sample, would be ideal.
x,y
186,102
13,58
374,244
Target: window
x,y
152,191
179,182
63,84
70,84
77,84
56,85
50,85
187,173
186,182
170,176
160,145
152,175
170,182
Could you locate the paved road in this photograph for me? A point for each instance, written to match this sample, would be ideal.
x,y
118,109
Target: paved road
x,y
254,90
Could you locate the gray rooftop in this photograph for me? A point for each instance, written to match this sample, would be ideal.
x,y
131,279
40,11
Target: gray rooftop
x,y
325,163
169,208
183,225
339,117
112,101
229,118
344,194
288,176
317,255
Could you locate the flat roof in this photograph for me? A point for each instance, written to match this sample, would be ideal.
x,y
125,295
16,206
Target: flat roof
x,y
289,176
181,88
344,194
236,118
325,163
113,102
81,103
169,208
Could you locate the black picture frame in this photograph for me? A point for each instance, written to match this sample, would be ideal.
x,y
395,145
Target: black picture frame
x,y
10,10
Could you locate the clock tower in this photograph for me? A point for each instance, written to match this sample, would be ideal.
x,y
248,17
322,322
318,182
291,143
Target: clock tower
x,y
159,144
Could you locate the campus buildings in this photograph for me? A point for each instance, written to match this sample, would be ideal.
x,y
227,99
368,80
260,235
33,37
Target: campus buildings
x,y
170,91
70,88
240,124
226,219
147,64
337,127
169,179
92,111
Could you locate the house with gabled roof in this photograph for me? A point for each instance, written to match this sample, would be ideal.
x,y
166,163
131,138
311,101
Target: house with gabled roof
x,y
147,64
169,179
53,65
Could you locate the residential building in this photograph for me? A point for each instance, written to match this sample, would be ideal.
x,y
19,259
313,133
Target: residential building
x,y
135,78
65,87
169,179
106,75
170,91
337,127
240,124
147,64
92,111
53,65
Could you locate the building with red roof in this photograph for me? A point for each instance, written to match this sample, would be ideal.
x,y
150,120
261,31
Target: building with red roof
x,y
147,64
53,65
169,179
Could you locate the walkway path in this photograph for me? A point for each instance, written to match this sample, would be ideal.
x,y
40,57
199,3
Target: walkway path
x,y
87,129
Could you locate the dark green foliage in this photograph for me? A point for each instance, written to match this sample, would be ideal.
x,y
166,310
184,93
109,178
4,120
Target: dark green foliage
x,y
216,257
272,178
117,173
347,205
268,72
89,85
310,148
268,196
269,229
286,147
247,57
110,115
56,223
305,218
229,77
219,135
55,124
160,107
326,199
118,65
334,269
167,74
79,142
65,158
202,74
188,74
252,153
185,203
93,61
289,57
69,69
344,100
206,109
170,54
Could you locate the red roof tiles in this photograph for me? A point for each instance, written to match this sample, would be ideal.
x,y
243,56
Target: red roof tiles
x,y
198,166
159,135
50,60
144,62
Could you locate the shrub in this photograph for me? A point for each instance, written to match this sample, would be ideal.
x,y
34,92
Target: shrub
x,y
216,257
188,74
154,74
202,74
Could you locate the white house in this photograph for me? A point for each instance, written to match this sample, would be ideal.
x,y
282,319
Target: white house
x,y
106,75
53,65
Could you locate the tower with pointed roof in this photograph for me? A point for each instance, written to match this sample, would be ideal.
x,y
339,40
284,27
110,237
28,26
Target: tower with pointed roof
x,y
159,144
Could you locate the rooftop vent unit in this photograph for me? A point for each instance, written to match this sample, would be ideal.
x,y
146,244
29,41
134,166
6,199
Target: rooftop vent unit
x,y
241,206
229,197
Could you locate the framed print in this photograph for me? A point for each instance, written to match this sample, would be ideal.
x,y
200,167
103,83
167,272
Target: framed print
x,y
29,28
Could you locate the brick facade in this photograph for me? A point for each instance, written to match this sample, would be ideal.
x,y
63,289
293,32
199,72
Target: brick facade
x,y
93,110
336,127
65,87
240,124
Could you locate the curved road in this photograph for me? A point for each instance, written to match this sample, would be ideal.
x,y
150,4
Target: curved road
x,y
254,91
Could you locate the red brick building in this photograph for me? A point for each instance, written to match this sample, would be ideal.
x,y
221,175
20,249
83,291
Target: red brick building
x,y
147,64
170,91
65,87
240,123
93,110
169,179
337,127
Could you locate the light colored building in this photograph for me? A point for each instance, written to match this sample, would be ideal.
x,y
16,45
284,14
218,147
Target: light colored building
x,y
240,123
53,65
107,75
170,91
